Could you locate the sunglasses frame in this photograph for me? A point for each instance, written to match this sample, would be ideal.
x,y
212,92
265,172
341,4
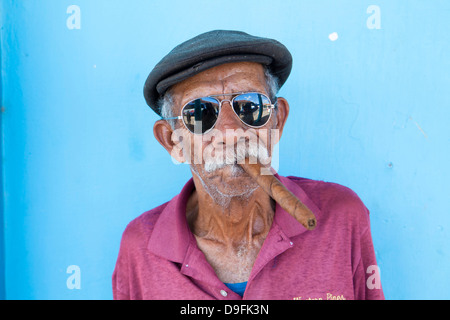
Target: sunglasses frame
x,y
235,94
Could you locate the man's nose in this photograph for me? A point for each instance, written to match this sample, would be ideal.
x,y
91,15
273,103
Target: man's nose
x,y
230,127
228,118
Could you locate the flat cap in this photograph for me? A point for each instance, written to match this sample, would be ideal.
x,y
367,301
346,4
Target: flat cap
x,y
209,50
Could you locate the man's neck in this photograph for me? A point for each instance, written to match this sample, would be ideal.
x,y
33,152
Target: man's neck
x,y
230,236
242,219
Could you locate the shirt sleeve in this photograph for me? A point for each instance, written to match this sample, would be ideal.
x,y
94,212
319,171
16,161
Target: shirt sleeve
x,y
366,278
120,274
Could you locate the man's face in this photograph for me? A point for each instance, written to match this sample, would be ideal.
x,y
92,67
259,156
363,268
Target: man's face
x,y
206,153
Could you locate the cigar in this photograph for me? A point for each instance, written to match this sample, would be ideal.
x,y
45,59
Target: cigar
x,y
286,199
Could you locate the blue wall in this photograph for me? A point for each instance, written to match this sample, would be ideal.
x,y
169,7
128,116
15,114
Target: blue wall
x,y
2,236
369,110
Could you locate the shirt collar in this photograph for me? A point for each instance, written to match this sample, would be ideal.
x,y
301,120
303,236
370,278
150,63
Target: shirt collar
x,y
171,236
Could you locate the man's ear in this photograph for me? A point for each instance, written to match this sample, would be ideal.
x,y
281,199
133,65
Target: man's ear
x,y
163,132
282,113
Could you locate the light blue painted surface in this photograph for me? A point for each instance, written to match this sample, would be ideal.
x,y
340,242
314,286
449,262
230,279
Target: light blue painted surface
x,y
369,110
2,236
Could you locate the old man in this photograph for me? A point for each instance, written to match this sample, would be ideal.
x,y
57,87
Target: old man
x,y
224,236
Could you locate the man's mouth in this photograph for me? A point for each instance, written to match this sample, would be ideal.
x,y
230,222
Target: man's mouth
x,y
233,170
233,157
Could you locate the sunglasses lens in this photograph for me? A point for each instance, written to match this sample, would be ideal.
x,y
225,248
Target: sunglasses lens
x,y
201,114
252,108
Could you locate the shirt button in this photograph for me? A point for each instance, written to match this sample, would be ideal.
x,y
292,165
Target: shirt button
x,y
223,293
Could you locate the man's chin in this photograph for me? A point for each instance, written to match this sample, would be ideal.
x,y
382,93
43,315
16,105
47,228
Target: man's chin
x,y
225,183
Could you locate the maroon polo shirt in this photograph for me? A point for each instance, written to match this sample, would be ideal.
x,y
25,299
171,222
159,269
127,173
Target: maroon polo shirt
x,y
159,257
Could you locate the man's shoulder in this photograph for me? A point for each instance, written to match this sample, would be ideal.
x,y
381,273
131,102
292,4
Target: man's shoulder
x,y
324,190
333,198
141,227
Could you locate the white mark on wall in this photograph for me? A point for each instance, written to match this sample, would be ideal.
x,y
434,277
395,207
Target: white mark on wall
x,y
419,127
74,280
374,20
74,20
333,36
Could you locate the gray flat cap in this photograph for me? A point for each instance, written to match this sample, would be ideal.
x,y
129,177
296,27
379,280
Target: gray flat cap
x,y
209,50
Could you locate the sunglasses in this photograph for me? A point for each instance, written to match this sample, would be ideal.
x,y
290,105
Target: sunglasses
x,y
200,115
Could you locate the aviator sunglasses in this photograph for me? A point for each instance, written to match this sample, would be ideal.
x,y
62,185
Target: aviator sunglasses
x,y
200,115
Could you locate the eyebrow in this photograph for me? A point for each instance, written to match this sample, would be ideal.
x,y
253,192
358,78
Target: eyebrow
x,y
233,92
230,94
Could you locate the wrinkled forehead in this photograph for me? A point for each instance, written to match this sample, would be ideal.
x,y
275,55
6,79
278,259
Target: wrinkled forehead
x,y
226,78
